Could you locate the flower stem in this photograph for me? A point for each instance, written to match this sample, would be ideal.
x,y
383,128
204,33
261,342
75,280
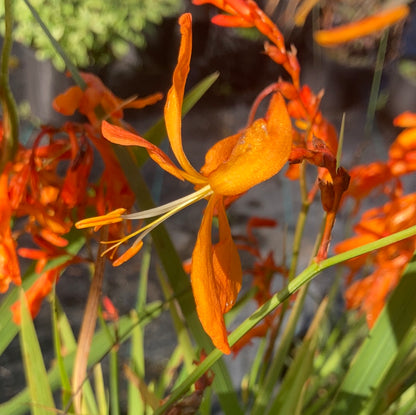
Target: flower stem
x,y
10,140
70,66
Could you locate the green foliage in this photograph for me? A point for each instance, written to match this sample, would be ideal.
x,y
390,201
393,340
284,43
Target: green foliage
x,y
90,31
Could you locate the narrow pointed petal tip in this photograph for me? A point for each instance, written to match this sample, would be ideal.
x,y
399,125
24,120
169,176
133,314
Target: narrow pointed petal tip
x,y
174,100
360,28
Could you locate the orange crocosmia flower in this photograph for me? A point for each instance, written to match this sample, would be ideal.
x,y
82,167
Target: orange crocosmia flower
x,y
97,95
360,28
9,265
232,166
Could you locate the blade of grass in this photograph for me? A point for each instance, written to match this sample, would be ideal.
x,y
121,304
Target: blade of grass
x,y
380,348
100,390
375,88
291,392
114,385
66,394
184,339
135,402
71,67
41,400
397,378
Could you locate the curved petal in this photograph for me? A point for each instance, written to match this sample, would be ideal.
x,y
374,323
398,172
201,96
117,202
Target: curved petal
x,y
118,135
259,153
219,153
360,28
204,285
173,107
226,262
67,102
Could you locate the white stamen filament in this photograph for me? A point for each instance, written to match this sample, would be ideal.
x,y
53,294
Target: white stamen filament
x,y
169,210
160,210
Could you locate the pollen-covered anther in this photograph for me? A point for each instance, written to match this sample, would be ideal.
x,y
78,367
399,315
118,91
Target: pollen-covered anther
x,y
98,221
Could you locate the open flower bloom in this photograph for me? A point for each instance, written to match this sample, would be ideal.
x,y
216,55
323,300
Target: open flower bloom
x,y
232,166
97,95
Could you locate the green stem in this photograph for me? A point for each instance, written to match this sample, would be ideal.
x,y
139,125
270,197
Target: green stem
x,y
114,396
303,278
10,118
297,240
300,226
375,85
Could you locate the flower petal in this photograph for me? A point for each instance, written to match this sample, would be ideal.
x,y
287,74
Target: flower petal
x,y
118,135
9,265
219,153
226,263
360,28
205,288
259,153
173,107
67,102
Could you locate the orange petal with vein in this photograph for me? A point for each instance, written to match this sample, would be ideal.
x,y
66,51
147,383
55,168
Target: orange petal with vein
x,y
219,153
226,263
259,153
144,102
360,28
120,136
204,285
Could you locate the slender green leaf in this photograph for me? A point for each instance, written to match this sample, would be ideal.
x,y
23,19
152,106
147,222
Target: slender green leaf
x,y
380,348
41,400
100,390
290,398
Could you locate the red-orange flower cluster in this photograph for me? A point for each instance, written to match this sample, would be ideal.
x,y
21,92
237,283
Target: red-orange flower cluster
x,y
369,293
48,184
315,139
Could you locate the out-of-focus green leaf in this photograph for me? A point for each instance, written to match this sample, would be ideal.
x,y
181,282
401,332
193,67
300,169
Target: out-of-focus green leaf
x,y
292,391
380,348
41,400
102,345
91,32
